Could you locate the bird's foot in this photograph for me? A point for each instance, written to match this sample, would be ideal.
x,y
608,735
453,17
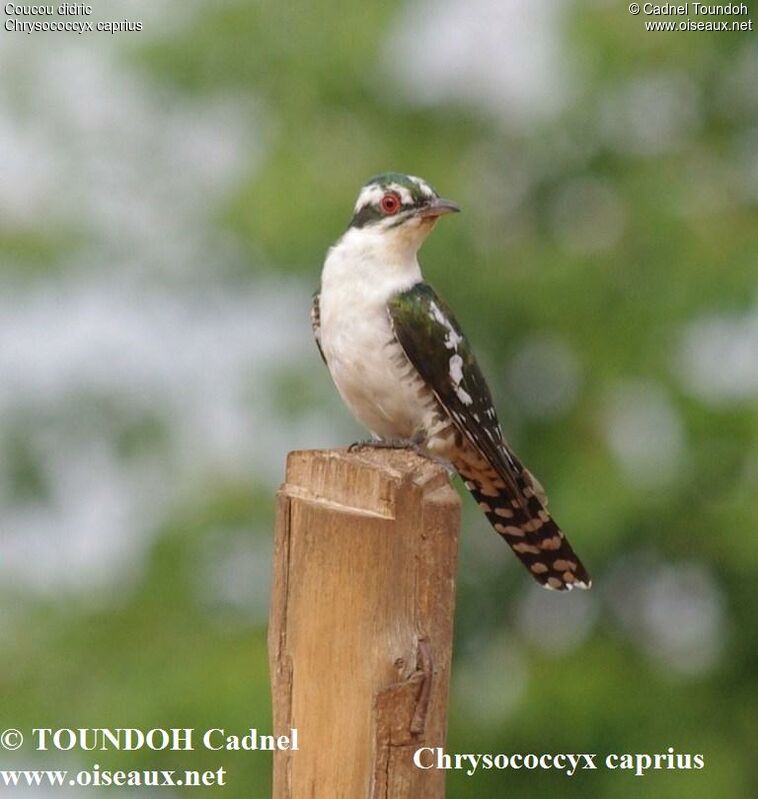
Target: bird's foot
x,y
384,443
416,444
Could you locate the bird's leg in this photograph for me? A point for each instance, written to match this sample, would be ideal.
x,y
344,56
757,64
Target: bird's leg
x,y
415,443
383,443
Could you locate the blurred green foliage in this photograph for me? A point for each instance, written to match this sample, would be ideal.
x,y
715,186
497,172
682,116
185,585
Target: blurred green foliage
x,y
683,246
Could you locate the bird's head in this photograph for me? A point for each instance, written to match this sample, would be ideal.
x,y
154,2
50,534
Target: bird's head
x,y
401,209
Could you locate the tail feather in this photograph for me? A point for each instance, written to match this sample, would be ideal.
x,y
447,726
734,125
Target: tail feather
x,y
524,522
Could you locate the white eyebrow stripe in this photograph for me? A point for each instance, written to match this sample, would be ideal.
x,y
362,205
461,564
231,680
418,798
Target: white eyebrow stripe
x,y
426,189
373,193
368,195
405,196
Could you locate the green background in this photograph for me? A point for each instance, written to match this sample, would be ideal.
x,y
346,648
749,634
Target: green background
x,y
166,201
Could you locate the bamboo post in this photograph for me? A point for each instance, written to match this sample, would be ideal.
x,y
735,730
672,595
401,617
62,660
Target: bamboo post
x,y
360,636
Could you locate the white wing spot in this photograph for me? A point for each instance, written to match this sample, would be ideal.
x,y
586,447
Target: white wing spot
x,y
463,395
456,369
456,375
452,339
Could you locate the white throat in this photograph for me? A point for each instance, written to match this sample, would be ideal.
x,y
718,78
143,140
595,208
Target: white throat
x,y
363,270
378,261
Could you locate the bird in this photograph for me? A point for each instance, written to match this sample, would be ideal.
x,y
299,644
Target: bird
x,y
406,371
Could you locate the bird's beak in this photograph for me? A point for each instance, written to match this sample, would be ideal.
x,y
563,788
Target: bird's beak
x,y
438,207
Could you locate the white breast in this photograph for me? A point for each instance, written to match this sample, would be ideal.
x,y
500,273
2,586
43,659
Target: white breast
x,y
375,379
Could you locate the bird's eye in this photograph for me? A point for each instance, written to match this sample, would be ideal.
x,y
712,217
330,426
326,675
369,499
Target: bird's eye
x,y
390,203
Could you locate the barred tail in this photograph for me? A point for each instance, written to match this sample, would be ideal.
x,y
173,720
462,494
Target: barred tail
x,y
524,522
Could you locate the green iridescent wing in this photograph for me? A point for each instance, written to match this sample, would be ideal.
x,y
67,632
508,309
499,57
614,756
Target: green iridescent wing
x,y
435,344
516,505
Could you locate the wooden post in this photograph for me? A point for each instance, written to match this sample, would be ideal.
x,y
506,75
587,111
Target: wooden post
x,y
360,637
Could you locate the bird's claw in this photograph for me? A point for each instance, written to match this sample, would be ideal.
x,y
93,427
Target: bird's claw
x,y
393,443
360,445
383,443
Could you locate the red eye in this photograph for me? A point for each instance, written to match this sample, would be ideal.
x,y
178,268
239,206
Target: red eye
x,y
390,203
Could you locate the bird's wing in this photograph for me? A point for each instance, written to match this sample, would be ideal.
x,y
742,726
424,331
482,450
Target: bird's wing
x,y
515,504
316,322
434,343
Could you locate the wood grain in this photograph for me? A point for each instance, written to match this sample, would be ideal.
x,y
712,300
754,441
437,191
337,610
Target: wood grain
x,y
360,636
